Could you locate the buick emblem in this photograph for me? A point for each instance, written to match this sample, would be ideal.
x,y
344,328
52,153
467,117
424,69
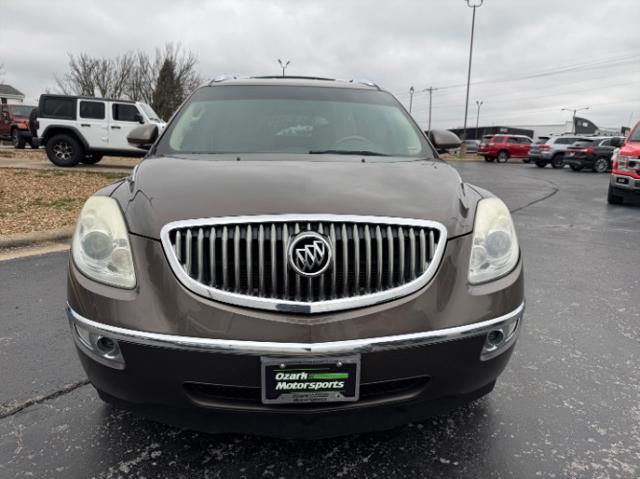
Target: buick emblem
x,y
309,254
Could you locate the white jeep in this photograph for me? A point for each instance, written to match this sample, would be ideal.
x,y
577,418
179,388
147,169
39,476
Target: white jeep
x,y
76,129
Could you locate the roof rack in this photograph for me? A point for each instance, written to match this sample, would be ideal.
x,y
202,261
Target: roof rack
x,y
227,77
291,77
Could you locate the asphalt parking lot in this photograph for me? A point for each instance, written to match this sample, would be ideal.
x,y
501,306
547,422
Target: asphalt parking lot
x,y
568,406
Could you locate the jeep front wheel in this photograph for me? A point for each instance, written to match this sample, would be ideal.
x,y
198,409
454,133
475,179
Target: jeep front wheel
x,y
16,139
64,150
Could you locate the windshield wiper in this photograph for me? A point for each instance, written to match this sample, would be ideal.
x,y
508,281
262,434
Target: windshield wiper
x,y
347,152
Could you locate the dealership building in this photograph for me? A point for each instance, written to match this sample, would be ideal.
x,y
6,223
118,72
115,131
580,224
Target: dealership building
x,y
582,126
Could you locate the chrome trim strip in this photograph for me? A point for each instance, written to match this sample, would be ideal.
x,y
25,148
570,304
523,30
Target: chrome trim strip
x,y
293,349
301,307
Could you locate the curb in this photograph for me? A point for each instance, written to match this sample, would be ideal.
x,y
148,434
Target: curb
x,y
27,239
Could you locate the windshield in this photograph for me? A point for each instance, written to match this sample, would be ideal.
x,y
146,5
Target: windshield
x,y
153,116
293,119
635,135
21,110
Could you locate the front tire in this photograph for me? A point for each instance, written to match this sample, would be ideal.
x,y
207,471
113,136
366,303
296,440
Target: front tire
x,y
503,156
601,165
64,150
488,159
614,199
16,139
526,160
541,164
558,161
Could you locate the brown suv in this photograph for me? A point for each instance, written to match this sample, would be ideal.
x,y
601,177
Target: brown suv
x,y
292,258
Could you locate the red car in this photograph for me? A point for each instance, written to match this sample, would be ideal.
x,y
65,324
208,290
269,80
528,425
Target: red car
x,y
503,147
624,183
14,125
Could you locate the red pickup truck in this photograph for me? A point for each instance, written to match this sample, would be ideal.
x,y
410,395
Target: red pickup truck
x,y
503,147
624,182
14,125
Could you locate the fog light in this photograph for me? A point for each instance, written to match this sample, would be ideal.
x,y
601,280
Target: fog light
x,y
106,346
495,337
101,349
499,339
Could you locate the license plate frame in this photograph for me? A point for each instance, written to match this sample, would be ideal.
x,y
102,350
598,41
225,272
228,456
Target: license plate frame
x,y
330,370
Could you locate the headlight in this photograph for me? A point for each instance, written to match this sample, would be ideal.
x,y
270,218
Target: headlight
x,y
495,247
101,247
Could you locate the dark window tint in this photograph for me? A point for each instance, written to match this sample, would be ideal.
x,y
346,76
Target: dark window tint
x,y
498,139
513,140
605,143
59,108
122,112
92,109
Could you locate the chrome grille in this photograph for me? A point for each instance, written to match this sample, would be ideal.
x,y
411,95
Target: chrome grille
x,y
244,260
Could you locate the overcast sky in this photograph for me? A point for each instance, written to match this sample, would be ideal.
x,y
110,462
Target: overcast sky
x,y
397,44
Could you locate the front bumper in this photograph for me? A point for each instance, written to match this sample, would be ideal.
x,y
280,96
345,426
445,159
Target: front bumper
x,y
187,360
214,386
625,185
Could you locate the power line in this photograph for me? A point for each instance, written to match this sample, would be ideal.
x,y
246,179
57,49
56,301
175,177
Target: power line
x,y
526,98
578,67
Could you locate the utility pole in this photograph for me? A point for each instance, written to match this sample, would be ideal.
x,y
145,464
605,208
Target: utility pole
x,y
430,90
472,4
573,118
411,92
283,66
479,103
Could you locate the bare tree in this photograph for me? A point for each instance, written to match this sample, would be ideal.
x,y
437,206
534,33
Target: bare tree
x,y
133,75
105,77
144,79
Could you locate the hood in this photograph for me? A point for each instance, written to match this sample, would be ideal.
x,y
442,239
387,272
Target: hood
x,y
166,189
630,149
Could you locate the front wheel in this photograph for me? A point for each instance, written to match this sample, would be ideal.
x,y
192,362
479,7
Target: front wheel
x,y
614,199
601,165
488,159
557,161
64,150
526,160
16,139
541,164
503,156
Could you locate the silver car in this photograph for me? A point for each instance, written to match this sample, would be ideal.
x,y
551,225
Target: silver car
x,y
552,151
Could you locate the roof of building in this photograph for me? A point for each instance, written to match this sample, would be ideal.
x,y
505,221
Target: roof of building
x,y
8,90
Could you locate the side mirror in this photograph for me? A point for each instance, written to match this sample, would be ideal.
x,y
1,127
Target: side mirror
x,y
616,142
139,118
143,136
444,140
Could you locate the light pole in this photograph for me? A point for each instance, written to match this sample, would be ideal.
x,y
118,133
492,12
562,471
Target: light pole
x,y
411,92
479,104
573,118
430,90
472,4
283,65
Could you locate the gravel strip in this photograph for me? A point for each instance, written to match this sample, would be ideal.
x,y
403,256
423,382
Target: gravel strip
x,y
32,200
